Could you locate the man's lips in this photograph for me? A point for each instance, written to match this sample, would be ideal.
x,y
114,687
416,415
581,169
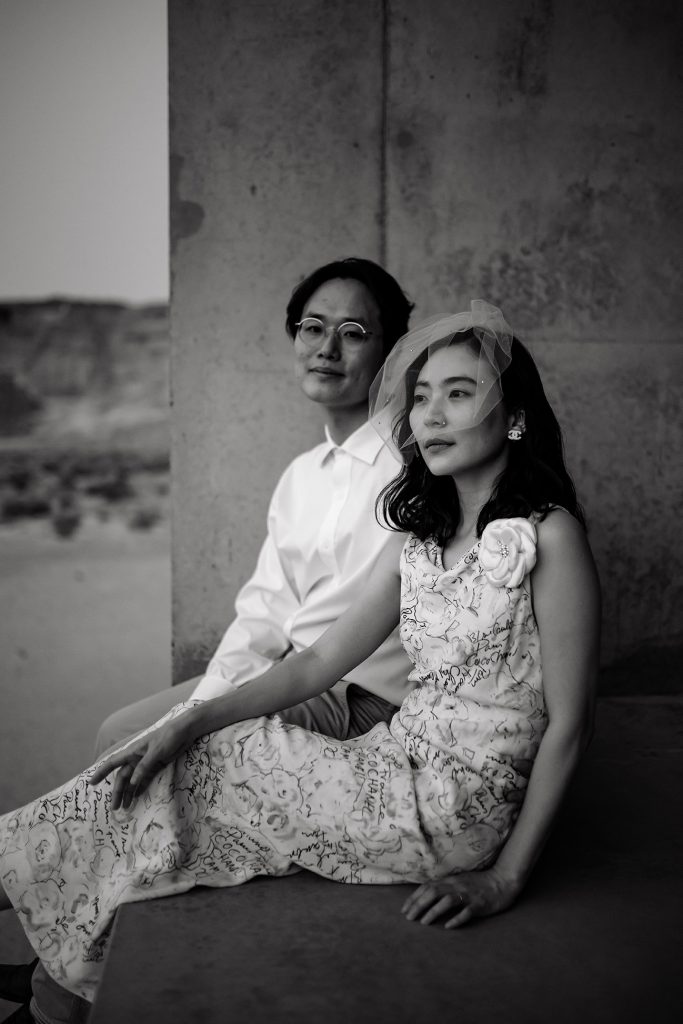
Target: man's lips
x,y
323,371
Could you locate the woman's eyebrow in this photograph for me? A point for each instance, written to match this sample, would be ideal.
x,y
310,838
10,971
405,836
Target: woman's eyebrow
x,y
446,381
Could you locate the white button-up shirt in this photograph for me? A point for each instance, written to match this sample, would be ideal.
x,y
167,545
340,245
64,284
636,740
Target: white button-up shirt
x,y
323,542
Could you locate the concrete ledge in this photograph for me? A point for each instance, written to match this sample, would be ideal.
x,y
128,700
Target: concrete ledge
x,y
596,937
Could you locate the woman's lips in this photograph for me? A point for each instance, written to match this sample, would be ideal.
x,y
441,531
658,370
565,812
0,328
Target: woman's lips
x,y
437,445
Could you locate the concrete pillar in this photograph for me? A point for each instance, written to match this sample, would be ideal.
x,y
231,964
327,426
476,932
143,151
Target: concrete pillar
x,y
527,153
535,158
276,114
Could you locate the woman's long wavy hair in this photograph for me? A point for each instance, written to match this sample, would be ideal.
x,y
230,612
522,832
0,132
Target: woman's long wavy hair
x,y
535,478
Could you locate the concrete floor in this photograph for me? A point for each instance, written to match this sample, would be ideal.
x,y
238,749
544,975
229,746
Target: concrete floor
x,y
595,939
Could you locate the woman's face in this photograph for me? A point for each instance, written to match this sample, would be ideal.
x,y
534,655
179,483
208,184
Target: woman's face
x,y
442,417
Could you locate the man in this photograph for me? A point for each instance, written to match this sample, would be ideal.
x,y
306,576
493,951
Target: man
x,y
321,546
323,539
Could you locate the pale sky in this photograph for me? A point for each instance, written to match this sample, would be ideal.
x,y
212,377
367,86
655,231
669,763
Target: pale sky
x,y
83,149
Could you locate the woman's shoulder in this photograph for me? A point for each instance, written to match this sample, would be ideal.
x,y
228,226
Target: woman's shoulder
x,y
565,578
558,526
561,538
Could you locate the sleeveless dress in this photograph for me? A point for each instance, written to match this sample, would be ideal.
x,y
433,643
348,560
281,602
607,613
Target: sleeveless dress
x,y
434,793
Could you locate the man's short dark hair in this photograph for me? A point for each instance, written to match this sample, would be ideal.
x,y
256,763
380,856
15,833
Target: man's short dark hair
x,y
394,307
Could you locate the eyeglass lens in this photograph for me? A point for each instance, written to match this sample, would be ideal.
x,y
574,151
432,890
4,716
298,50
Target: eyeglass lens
x,y
312,330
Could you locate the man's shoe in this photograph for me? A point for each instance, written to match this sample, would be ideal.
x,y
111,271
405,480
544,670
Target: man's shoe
x,y
20,1016
15,982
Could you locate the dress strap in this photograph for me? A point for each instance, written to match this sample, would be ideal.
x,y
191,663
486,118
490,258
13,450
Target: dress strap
x,y
536,517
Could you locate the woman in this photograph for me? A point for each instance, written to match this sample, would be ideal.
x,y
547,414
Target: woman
x,y
460,791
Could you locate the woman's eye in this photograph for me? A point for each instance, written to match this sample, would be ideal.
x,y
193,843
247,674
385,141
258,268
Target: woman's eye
x,y
457,393
418,399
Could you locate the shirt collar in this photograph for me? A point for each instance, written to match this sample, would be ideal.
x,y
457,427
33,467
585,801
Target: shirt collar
x,y
364,444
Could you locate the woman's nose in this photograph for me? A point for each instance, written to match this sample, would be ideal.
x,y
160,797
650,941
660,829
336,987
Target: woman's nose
x,y
434,414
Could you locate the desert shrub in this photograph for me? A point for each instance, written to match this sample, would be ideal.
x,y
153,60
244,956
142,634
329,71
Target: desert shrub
x,y
144,517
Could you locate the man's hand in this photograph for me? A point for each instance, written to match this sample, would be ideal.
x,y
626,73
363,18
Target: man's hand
x,y
145,757
459,898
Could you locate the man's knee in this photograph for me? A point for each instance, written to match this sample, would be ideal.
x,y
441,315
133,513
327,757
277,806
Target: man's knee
x,y
127,722
114,729
366,710
327,714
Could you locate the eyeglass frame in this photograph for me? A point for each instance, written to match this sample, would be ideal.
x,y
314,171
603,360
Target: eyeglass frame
x,y
329,329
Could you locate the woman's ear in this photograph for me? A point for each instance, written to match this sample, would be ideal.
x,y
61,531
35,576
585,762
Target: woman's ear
x,y
516,425
517,420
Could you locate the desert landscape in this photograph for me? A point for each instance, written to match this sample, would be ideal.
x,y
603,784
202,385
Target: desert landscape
x,y
84,530
83,413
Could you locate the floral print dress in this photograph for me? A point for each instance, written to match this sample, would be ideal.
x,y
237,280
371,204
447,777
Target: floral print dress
x,y
435,792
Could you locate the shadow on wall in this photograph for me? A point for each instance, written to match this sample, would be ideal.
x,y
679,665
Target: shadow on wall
x,y
651,669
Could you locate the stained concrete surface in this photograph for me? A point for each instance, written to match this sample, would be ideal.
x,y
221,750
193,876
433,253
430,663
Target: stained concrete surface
x,y
527,153
595,938
301,950
276,168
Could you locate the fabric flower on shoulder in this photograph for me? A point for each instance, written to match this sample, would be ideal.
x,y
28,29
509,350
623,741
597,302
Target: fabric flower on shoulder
x,y
507,551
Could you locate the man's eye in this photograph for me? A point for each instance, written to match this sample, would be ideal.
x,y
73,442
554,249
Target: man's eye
x,y
312,330
352,334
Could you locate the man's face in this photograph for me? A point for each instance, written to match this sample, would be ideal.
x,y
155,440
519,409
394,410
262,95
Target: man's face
x,y
334,372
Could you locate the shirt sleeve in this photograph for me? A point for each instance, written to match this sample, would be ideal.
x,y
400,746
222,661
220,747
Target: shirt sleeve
x,y
256,639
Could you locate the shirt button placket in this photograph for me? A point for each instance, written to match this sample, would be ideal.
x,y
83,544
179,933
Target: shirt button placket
x,y
341,472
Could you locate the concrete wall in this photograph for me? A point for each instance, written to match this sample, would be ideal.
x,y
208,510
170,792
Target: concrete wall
x,y
527,153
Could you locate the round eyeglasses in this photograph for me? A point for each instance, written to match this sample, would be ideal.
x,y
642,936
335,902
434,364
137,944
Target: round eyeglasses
x,y
312,331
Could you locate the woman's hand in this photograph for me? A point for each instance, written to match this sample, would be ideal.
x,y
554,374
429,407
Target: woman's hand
x,y
141,760
459,898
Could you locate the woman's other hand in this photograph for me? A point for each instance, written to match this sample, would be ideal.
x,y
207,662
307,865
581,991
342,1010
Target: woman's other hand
x,y
459,898
145,757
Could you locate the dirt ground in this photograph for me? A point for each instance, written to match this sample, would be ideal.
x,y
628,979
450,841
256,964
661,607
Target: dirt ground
x,y
85,628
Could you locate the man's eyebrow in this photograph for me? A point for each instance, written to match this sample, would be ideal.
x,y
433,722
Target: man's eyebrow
x,y
342,320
